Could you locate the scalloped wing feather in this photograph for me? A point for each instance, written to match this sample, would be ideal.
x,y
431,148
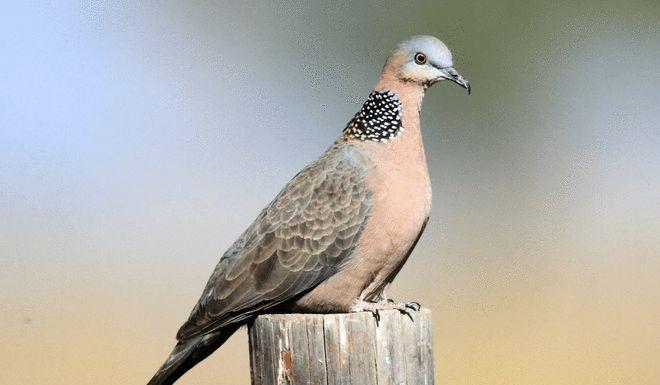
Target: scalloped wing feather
x,y
300,239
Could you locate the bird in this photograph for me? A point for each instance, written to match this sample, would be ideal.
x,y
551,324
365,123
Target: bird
x,y
338,232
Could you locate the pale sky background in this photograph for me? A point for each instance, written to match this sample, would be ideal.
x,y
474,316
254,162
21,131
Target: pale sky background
x,y
137,142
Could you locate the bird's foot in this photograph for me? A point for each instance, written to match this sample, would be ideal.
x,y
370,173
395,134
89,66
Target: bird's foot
x,y
412,305
409,305
385,304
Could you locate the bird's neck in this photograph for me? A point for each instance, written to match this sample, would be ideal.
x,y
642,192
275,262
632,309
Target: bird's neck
x,y
390,109
409,93
405,150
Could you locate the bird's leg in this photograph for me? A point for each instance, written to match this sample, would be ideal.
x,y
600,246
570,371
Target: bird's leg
x,y
382,298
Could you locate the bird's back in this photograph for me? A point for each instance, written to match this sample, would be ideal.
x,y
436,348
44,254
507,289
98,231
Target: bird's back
x,y
301,238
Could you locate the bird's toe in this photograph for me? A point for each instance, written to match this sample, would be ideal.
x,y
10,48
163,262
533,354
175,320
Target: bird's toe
x,y
413,305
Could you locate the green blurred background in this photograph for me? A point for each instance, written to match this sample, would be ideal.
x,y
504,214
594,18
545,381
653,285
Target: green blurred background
x,y
138,141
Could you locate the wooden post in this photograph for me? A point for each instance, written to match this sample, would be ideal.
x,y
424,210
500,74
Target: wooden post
x,y
342,349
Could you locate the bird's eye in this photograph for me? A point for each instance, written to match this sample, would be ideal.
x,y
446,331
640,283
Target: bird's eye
x,y
420,58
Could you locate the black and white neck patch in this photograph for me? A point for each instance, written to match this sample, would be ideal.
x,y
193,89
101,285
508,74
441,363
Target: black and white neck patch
x,y
379,119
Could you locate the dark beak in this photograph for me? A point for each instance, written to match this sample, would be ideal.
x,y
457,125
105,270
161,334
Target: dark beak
x,y
453,75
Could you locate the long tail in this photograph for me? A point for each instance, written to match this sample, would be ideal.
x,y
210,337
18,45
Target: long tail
x,y
187,354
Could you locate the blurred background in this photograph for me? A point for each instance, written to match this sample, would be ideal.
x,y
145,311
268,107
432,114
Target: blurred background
x,y
138,141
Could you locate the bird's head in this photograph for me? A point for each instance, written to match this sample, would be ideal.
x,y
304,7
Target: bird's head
x,y
424,61
396,100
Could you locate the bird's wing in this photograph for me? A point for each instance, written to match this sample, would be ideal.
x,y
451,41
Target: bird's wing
x,y
300,239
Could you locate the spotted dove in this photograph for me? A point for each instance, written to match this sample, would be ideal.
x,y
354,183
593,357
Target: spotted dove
x,y
341,229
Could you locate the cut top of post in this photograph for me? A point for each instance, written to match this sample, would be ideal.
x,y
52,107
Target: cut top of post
x,y
342,349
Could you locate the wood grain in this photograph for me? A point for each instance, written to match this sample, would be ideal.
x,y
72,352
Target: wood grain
x,y
342,349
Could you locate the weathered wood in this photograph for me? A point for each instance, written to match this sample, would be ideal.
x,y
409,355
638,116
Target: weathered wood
x,y
342,349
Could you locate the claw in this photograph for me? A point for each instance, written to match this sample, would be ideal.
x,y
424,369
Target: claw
x,y
405,310
368,306
376,315
384,304
412,305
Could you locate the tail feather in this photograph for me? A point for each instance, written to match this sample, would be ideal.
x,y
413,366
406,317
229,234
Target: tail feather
x,y
188,353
